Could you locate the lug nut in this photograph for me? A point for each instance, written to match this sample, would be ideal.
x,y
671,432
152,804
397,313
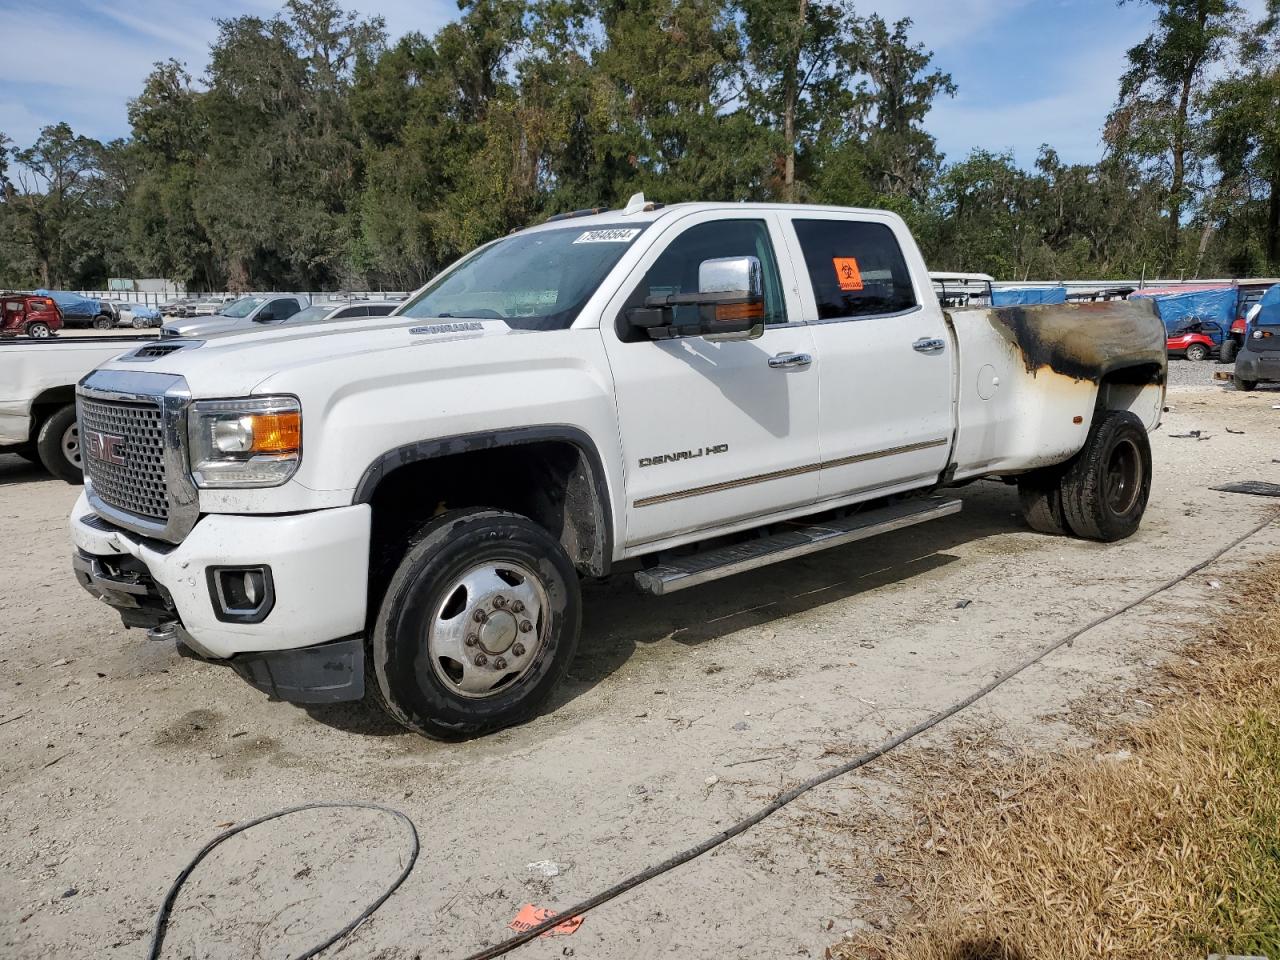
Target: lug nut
x,y
517,649
481,660
472,640
517,607
499,664
526,626
499,601
479,616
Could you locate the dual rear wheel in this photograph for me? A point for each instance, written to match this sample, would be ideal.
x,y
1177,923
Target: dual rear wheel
x,y
1102,493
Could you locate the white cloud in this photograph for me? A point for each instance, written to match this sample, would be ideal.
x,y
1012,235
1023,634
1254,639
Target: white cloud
x,y
944,24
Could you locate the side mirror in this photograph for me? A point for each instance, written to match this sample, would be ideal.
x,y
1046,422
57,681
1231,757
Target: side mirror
x,y
729,304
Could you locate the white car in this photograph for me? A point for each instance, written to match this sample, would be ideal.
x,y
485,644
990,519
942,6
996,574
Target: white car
x,y
258,308
315,313
678,393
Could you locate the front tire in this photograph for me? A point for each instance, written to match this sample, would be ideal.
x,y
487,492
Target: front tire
x,y
103,323
1197,352
1229,350
58,444
478,625
1106,487
1245,385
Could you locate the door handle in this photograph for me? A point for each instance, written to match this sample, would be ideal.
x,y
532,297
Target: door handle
x,y
784,360
929,345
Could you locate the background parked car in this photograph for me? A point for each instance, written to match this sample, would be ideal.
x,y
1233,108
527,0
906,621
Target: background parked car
x,y
29,315
182,307
78,311
138,315
312,314
208,306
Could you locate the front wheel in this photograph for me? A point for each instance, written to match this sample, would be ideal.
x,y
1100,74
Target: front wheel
x,y
1229,350
1245,385
1106,487
102,323
1197,352
478,625
58,444
140,323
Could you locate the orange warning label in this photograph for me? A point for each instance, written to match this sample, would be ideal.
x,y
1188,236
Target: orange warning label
x,y
847,273
530,916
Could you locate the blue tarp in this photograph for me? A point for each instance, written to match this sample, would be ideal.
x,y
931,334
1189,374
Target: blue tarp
x,y
1269,314
1214,310
72,304
1027,296
141,310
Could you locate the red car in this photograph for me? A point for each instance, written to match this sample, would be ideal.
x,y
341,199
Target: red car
x,y
24,313
1194,342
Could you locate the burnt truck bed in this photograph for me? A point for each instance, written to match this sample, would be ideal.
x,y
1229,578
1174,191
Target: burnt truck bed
x,y
1029,378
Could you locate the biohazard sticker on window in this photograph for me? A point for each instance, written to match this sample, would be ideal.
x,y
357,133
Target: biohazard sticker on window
x,y
847,273
615,235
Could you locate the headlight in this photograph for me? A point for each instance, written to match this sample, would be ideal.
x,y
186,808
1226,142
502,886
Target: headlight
x,y
256,442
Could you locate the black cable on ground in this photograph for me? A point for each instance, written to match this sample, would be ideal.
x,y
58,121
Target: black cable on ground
x,y
162,918
506,946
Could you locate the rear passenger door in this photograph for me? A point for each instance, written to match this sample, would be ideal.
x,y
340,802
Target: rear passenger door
x,y
885,419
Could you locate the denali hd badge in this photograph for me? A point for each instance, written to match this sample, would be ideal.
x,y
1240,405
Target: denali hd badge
x,y
683,455
446,328
107,447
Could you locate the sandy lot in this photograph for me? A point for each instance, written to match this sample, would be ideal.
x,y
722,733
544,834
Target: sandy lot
x,y
118,758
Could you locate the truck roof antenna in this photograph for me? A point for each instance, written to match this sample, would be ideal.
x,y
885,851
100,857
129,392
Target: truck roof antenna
x,y
636,204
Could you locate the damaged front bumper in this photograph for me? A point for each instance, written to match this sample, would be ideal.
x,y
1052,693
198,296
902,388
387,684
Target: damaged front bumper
x,y
317,563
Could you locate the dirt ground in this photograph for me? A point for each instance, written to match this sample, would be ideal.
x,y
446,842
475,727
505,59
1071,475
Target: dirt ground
x,y
119,759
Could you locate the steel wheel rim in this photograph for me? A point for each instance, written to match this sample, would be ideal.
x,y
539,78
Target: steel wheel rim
x,y
1122,479
71,444
488,629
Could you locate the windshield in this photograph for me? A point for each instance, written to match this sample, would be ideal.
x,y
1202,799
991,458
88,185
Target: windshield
x,y
242,307
317,312
533,281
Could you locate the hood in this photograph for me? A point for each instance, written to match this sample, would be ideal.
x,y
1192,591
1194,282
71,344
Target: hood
x,y
235,363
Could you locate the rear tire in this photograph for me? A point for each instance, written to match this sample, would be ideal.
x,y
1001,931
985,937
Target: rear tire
x,y
1229,350
1245,385
1197,352
453,654
58,444
1040,495
1106,487
39,330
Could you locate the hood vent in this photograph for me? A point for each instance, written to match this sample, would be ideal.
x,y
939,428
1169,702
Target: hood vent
x,y
153,351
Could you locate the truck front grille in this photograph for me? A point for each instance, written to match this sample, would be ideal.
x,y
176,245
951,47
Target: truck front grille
x,y
123,443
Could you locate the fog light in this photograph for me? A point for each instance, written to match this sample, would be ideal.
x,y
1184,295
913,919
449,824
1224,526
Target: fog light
x,y
241,594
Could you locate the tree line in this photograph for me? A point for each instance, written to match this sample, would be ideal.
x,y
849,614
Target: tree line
x,y
316,152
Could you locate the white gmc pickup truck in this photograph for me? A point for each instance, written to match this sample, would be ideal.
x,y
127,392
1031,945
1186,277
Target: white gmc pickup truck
x,y
682,393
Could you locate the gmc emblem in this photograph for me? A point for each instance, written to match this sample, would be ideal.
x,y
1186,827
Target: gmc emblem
x,y
106,447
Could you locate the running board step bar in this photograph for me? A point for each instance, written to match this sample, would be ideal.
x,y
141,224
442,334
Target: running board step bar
x,y
797,540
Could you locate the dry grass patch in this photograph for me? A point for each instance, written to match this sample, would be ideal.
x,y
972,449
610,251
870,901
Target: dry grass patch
x,y
1164,842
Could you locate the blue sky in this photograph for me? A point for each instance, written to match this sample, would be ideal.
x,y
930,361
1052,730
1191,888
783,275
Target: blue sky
x,y
1029,71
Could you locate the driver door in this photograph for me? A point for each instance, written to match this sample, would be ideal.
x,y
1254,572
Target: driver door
x,y
714,432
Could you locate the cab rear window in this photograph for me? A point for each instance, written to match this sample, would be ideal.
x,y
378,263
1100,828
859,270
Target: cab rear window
x,y
856,268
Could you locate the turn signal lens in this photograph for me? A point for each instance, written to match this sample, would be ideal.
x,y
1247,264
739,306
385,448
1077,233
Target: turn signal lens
x,y
276,432
739,311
